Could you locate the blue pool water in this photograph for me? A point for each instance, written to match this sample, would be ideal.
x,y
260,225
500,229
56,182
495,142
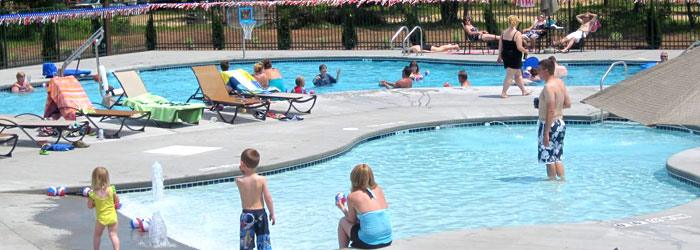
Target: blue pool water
x,y
179,83
448,179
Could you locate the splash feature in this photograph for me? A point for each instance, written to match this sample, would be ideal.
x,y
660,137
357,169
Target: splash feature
x,y
158,233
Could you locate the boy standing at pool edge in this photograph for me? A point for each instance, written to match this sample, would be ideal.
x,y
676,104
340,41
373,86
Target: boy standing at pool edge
x,y
551,127
253,188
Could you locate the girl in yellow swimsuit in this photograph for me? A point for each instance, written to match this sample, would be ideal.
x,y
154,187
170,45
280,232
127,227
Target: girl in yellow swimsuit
x,y
103,197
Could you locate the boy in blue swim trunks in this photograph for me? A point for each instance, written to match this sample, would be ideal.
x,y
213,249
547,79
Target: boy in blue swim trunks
x,y
253,188
551,128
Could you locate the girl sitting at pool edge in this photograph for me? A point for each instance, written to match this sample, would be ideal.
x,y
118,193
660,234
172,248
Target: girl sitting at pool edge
x,y
367,221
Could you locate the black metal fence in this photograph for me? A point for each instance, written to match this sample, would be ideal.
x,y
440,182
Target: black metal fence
x,y
625,25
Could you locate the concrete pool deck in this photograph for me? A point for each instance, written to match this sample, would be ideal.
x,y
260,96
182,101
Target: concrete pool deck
x,y
337,122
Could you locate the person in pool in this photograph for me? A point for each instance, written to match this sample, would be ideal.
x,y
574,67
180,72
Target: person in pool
x,y
367,221
404,82
551,127
463,80
260,76
21,85
274,76
323,79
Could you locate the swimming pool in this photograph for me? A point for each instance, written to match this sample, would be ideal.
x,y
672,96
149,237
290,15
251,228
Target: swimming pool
x,y
449,179
177,84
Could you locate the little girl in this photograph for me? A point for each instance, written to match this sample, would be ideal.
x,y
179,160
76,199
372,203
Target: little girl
x,y
103,197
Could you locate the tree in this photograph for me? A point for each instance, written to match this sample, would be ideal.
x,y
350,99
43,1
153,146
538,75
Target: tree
x,y
349,33
284,31
151,35
653,28
217,31
49,47
448,12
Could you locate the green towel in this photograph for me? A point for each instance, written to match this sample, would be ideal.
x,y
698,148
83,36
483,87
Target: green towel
x,y
163,110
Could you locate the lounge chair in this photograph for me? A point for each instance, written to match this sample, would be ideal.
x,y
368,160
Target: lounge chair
x,y
12,137
138,98
9,122
66,98
246,85
212,89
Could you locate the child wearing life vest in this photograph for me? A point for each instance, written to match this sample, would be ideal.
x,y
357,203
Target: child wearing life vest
x,y
103,197
299,88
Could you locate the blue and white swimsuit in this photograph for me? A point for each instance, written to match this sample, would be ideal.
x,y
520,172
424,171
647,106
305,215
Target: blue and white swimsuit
x,y
553,153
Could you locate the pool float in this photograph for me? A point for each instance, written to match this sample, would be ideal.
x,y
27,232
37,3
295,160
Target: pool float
x,y
649,65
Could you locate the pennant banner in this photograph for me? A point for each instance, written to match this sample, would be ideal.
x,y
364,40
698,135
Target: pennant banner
x,y
44,17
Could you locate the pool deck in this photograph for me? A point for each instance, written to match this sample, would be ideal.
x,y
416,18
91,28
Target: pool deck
x,y
338,121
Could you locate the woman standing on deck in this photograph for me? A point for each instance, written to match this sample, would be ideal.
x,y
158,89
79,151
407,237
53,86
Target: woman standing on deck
x,y
511,53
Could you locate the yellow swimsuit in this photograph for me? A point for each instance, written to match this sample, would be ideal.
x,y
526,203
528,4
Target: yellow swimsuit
x,y
104,208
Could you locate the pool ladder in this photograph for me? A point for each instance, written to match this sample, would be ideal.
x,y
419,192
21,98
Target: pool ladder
x,y
603,80
405,42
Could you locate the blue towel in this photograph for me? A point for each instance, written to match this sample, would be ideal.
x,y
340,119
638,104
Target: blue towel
x,y
49,70
531,62
60,147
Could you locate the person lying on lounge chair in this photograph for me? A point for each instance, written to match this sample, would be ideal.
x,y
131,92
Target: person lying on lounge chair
x,y
431,48
476,34
404,82
587,20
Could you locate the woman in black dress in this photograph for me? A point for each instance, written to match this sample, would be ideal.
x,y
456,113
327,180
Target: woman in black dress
x,y
511,53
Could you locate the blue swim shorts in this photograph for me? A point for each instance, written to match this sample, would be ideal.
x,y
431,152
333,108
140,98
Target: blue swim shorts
x,y
553,153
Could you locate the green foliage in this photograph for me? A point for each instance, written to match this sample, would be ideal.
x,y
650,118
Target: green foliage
x,y
217,31
412,21
189,43
386,42
349,33
284,31
2,55
151,36
653,34
491,25
49,45
615,36
457,36
119,25
448,12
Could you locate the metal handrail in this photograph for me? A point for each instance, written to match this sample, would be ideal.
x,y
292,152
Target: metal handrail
x,y
398,32
405,40
603,80
95,38
692,45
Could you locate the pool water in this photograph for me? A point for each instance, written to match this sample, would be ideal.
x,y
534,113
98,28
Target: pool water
x,y
177,84
448,179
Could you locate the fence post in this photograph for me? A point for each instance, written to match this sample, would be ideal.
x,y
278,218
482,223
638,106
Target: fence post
x,y
4,46
58,39
653,22
108,32
569,23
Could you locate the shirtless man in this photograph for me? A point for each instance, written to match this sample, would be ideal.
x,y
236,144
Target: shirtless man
x,y
404,82
587,20
551,127
463,79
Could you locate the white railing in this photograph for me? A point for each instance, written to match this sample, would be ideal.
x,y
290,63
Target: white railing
x,y
396,35
603,80
406,42
96,38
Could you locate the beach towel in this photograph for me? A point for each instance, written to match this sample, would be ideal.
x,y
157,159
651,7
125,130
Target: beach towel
x,y
242,81
163,110
65,96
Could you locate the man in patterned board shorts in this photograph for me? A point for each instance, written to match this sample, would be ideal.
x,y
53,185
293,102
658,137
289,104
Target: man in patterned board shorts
x,y
551,128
